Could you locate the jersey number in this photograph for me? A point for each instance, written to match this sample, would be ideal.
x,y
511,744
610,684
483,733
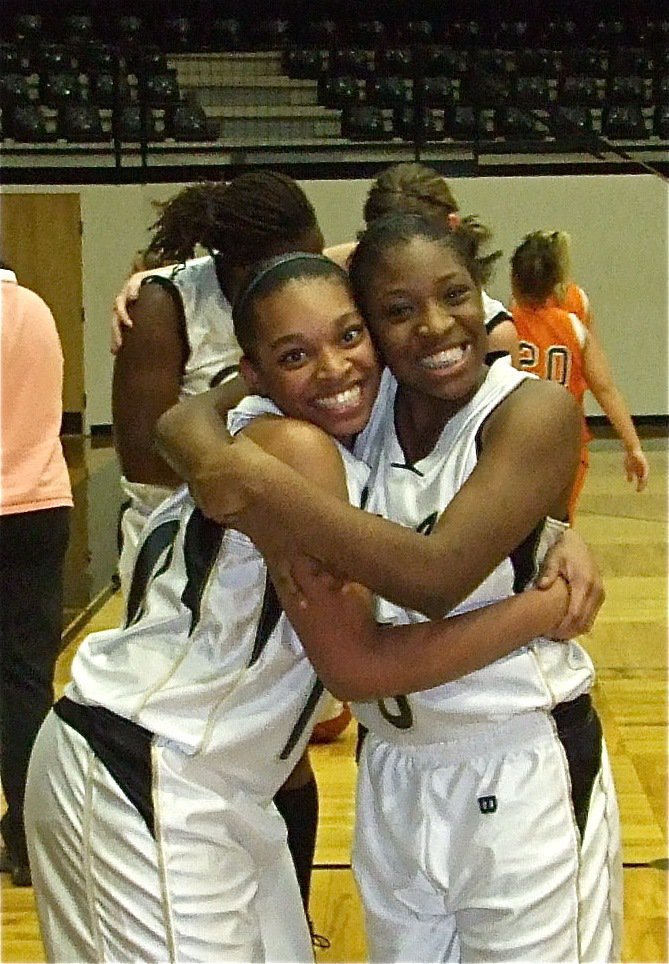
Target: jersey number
x,y
558,361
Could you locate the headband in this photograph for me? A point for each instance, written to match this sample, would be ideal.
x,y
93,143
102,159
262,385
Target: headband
x,y
267,267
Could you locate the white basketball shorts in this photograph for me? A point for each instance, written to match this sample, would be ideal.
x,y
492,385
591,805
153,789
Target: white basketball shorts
x,y
213,882
470,850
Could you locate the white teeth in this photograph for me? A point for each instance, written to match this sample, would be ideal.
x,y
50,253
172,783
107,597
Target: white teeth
x,y
342,400
444,359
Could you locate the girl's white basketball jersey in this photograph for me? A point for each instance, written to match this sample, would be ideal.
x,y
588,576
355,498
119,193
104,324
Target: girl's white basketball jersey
x,y
207,660
212,344
494,312
213,355
537,676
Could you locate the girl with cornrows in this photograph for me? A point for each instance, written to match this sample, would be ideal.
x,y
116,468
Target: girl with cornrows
x,y
182,341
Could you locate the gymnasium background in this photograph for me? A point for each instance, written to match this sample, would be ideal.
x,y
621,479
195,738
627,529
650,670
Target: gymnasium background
x,y
619,225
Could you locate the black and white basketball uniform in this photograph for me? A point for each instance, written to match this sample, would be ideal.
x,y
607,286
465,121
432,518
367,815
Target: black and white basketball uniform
x,y
487,825
494,312
153,835
213,355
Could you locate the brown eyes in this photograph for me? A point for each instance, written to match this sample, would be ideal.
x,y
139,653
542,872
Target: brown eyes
x,y
353,335
292,357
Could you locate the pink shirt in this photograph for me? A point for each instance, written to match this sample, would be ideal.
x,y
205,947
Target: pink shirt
x,y
33,471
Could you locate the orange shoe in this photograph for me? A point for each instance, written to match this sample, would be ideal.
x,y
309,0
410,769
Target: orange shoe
x,y
327,731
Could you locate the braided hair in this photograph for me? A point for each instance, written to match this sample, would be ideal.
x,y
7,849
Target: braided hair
x,y
180,223
243,222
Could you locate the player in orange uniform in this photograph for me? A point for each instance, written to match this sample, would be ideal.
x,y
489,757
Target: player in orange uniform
x,y
552,318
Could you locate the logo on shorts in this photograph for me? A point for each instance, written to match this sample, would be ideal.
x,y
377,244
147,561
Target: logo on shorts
x,y
488,804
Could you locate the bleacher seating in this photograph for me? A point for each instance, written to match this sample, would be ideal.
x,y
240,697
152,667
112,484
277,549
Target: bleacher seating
x,y
570,123
368,34
27,29
354,61
339,91
57,88
161,89
136,123
304,63
395,92
395,61
423,126
440,79
25,123
625,122
437,91
578,90
520,124
532,92
81,123
225,34
14,89
462,123
366,122
661,121
187,122
77,30
176,34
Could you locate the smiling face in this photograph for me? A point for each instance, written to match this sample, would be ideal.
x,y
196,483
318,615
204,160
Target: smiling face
x,y
313,355
426,315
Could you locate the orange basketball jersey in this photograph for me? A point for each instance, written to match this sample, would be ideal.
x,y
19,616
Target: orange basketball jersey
x,y
551,346
576,301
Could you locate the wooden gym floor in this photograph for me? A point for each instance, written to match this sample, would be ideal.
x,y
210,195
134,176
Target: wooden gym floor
x,y
628,533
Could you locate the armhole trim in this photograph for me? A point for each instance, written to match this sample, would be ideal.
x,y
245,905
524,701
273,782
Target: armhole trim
x,y
168,285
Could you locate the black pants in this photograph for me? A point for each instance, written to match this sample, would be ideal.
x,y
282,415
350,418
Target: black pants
x,y
32,551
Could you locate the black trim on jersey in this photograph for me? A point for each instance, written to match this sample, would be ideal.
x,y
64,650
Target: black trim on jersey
x,y
223,375
269,617
580,731
122,746
359,740
364,496
157,541
202,542
403,718
490,358
493,356
497,319
410,468
303,719
524,558
169,286
426,527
